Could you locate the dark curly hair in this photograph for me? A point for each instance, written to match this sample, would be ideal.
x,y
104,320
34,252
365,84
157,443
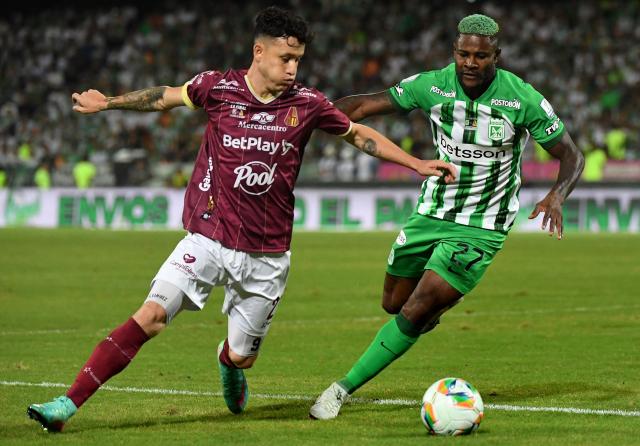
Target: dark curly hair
x,y
277,22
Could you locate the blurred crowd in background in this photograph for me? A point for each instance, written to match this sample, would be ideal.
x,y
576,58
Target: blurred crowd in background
x,y
580,54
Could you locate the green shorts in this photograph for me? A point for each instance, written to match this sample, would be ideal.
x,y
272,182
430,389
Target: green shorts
x,y
459,254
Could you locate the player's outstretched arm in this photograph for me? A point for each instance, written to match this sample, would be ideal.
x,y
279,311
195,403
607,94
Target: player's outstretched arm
x,y
149,99
571,165
375,144
360,106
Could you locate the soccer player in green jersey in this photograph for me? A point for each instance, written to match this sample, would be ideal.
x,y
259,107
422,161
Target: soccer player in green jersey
x,y
480,117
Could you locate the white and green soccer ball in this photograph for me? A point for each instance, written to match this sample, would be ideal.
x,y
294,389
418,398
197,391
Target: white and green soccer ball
x,y
451,406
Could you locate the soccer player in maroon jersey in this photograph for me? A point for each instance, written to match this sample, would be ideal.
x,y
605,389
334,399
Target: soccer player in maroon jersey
x,y
238,206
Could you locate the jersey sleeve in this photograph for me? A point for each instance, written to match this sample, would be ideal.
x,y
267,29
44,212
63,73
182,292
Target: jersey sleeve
x,y
403,94
332,120
195,91
541,120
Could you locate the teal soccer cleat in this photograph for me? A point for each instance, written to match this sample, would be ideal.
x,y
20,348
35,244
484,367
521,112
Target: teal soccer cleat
x,y
54,414
234,385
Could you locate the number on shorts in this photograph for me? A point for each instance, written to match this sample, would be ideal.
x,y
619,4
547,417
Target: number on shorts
x,y
256,344
273,310
464,250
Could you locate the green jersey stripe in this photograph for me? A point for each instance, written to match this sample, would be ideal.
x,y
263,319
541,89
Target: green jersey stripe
x,y
489,188
465,181
421,196
514,182
446,118
437,195
470,123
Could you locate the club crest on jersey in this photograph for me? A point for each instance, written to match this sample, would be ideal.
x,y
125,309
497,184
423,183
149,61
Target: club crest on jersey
x,y
292,117
496,129
263,118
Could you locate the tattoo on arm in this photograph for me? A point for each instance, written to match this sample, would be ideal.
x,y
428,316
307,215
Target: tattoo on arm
x,y
149,99
370,147
571,165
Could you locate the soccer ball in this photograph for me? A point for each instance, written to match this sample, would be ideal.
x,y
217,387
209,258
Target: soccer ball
x,y
451,406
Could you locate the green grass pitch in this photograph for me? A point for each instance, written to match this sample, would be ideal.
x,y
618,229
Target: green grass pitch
x,y
553,324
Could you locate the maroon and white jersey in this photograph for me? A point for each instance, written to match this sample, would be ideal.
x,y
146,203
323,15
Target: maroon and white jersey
x,y
241,189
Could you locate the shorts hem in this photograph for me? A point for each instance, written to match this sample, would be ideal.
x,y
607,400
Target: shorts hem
x,y
447,276
404,275
199,306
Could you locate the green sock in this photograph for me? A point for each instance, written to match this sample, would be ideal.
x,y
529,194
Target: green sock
x,y
392,341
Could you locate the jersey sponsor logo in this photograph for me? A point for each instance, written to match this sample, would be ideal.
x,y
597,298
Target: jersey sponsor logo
x,y
184,269
250,143
448,94
205,184
469,152
496,129
224,84
263,118
292,117
511,103
286,146
188,258
304,91
471,124
237,110
548,109
553,127
257,126
255,177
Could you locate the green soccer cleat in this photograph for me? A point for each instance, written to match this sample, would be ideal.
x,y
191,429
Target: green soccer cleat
x,y
234,386
54,414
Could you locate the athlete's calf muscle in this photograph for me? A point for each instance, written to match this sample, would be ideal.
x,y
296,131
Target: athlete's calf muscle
x,y
432,295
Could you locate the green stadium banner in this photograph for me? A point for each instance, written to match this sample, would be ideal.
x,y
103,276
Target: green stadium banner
x,y
588,209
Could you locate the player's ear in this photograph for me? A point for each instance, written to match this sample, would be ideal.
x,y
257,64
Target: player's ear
x,y
497,53
258,49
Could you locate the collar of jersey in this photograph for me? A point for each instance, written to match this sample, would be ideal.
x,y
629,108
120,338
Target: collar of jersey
x,y
271,98
489,91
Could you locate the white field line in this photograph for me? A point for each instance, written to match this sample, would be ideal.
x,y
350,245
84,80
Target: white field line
x,y
36,332
382,317
380,402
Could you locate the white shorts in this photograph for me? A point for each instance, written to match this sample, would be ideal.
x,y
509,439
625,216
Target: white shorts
x,y
254,283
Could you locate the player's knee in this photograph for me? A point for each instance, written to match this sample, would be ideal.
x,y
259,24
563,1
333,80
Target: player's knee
x,y
389,305
152,318
242,362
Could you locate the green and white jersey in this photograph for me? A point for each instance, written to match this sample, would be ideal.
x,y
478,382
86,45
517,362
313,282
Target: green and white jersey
x,y
483,138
